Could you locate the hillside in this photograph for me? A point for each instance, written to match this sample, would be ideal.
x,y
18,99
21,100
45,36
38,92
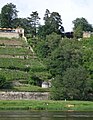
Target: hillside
x,y
17,63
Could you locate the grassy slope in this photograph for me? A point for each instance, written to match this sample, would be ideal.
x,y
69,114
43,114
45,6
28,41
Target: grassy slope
x,y
14,51
16,68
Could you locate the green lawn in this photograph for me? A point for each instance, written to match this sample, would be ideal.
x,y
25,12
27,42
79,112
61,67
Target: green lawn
x,y
46,105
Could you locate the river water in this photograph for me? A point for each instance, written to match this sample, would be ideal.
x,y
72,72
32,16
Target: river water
x,y
45,115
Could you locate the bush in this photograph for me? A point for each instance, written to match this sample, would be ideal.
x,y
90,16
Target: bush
x,y
2,81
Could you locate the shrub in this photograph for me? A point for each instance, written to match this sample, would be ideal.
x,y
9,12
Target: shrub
x,y
2,81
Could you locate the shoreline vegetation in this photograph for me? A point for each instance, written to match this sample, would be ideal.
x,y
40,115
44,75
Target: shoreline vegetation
x,y
47,105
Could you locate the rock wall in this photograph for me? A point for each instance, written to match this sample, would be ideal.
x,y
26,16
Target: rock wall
x,y
9,35
24,95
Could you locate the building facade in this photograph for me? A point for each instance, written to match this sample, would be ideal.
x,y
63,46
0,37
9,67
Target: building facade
x,y
11,33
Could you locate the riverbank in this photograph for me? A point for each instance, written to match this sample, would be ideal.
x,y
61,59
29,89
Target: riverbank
x,y
46,105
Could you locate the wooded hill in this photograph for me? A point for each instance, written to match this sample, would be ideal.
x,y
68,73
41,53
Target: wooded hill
x,y
67,63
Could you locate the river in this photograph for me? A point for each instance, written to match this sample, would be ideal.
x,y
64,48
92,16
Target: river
x,y
45,115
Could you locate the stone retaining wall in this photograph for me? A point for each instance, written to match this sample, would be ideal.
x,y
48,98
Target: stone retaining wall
x,y
24,95
9,35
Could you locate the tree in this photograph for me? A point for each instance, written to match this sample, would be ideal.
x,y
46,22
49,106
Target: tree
x,y
46,16
53,41
34,22
87,50
22,22
73,85
45,47
53,23
67,54
78,33
76,83
8,14
56,92
68,68
0,20
80,25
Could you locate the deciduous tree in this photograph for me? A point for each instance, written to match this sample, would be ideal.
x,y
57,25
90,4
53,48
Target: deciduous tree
x,y
34,22
80,25
52,23
8,14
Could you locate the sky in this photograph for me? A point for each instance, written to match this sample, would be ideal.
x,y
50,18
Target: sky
x,y
68,9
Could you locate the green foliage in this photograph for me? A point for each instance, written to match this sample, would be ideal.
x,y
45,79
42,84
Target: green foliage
x,y
67,55
45,47
42,49
0,20
78,33
88,55
34,23
76,83
22,22
2,81
80,25
8,14
53,41
17,63
69,64
16,68
38,74
23,69
53,23
68,61
56,92
20,64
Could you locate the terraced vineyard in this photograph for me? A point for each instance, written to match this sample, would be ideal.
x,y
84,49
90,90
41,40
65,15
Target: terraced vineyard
x,y
17,60
14,51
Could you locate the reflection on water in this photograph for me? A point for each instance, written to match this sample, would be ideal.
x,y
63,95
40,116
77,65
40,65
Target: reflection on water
x,y
45,115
